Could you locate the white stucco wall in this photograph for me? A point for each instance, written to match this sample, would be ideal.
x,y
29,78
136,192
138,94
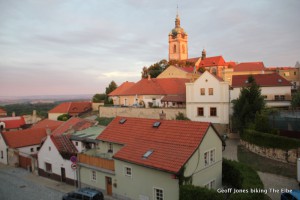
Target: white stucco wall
x,y
201,174
54,158
3,148
219,99
143,181
53,116
26,151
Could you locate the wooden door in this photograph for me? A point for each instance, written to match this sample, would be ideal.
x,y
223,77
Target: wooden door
x,y
108,185
63,174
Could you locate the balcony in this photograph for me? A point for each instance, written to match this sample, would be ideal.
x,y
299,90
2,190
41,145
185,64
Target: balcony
x,y
99,160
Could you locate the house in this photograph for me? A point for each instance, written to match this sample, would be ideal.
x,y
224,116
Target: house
x,y
179,72
207,100
19,148
275,89
3,112
163,92
71,108
245,68
61,144
140,158
12,123
54,159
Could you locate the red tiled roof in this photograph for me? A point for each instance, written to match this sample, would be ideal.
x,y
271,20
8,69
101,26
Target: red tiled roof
x,y
74,123
64,145
23,138
264,80
194,60
72,107
2,111
123,87
156,86
212,61
13,122
230,64
279,68
48,123
249,66
172,143
174,98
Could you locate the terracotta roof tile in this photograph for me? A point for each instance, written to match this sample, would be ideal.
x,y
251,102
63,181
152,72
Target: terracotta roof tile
x,y
249,66
123,87
23,138
13,122
2,111
264,80
73,123
72,107
212,61
47,123
156,86
64,145
172,143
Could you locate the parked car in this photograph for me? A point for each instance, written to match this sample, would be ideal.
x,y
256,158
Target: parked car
x,y
294,195
84,194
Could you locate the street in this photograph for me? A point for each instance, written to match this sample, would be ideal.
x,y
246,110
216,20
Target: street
x,y
15,183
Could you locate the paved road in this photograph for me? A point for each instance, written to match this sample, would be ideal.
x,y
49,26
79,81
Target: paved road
x,y
270,181
15,184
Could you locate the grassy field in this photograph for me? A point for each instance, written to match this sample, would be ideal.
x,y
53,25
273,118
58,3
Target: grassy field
x,y
263,164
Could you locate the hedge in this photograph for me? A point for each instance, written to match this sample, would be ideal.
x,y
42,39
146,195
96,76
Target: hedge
x,y
269,141
190,192
241,176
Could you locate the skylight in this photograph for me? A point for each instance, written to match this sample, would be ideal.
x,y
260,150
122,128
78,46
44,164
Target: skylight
x,y
148,153
122,121
156,124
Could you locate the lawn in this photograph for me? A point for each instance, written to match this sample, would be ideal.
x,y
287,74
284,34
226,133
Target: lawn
x,y
263,164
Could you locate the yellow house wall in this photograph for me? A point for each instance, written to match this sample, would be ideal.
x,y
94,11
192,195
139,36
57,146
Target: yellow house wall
x,y
195,166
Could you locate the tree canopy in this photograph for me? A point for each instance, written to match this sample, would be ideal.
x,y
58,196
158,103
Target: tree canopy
x,y
111,87
97,98
295,100
247,105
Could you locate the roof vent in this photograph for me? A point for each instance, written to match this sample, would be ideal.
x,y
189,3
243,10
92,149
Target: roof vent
x,y
246,81
147,154
122,121
279,80
156,124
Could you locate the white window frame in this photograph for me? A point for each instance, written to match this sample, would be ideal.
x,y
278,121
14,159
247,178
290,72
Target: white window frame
x,y
155,197
93,175
125,171
209,157
211,184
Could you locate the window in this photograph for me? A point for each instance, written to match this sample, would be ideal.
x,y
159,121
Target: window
x,y
282,97
286,73
31,150
76,143
200,111
48,167
213,111
110,148
209,157
158,194
128,171
295,73
38,148
202,91
1,154
174,48
210,185
265,96
49,148
94,176
210,91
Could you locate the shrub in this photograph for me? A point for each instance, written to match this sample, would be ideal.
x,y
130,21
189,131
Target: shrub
x,y
190,192
270,140
104,121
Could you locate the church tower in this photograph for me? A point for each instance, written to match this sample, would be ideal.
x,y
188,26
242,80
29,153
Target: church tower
x,y
178,42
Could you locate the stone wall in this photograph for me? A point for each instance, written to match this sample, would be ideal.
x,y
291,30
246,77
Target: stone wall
x,y
152,113
287,156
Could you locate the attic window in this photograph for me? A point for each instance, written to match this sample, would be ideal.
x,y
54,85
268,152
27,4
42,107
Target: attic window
x,y
147,154
122,121
156,124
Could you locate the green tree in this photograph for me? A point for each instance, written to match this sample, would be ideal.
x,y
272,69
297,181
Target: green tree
x,y
181,116
97,98
247,105
111,87
295,100
63,117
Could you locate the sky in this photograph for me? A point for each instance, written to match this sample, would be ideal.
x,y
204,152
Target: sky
x,y
62,47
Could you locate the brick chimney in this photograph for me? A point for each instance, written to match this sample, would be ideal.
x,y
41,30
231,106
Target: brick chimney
x,y
13,114
162,115
149,77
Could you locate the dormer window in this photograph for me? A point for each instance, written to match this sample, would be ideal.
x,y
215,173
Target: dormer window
x,y
147,154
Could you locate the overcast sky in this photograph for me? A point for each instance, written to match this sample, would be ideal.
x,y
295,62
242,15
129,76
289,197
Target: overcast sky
x,y
80,46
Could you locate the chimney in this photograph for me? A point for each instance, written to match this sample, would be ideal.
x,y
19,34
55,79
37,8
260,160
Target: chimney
x,y
48,131
162,115
149,77
13,114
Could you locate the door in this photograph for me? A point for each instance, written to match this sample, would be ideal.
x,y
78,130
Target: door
x,y
108,185
63,174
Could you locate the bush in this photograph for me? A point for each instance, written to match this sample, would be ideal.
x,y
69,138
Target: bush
x,y
104,121
190,192
269,140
